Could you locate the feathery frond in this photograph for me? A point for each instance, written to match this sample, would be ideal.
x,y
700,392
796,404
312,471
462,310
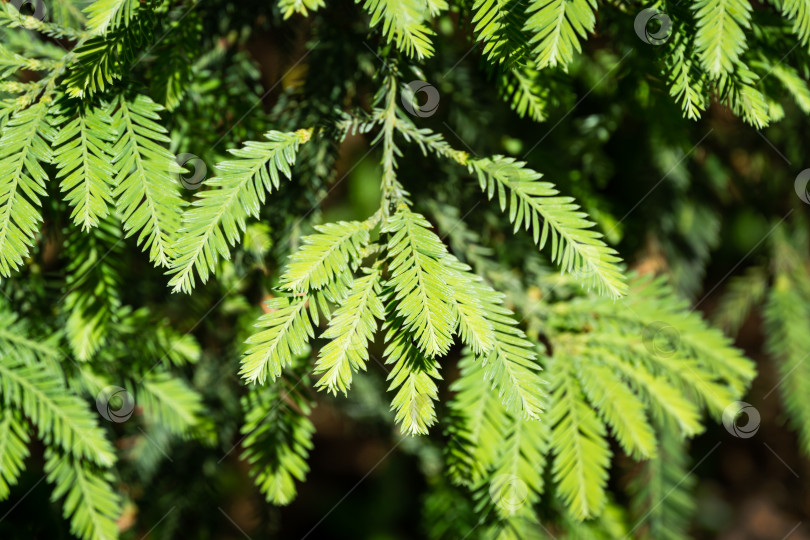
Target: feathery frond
x,y
286,329
612,368
102,59
24,147
60,418
474,303
325,255
512,365
11,17
217,217
476,426
685,81
403,23
720,38
620,408
793,82
797,11
557,26
499,25
278,438
350,331
517,480
413,377
107,15
416,276
677,344
537,205
90,501
147,195
525,93
581,453
81,155
11,62
13,449
739,91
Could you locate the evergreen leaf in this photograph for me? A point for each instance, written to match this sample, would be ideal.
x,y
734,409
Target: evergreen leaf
x,y
13,449
720,37
90,501
476,425
60,417
82,156
325,255
350,331
581,452
557,26
24,147
106,15
278,439
537,206
403,23
286,330
419,291
413,377
217,217
146,195
512,365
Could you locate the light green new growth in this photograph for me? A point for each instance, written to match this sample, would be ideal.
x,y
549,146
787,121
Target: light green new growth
x,y
612,373
537,206
556,27
720,38
24,146
402,23
350,331
84,166
421,293
799,12
147,195
107,15
685,84
302,7
286,329
578,438
325,256
413,377
217,218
